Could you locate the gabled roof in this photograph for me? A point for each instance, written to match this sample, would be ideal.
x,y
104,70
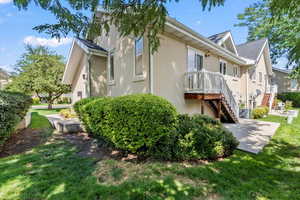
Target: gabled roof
x,y
226,39
287,71
180,30
252,50
80,47
89,44
216,38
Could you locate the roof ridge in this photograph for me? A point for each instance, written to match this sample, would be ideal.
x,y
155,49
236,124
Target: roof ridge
x,y
252,41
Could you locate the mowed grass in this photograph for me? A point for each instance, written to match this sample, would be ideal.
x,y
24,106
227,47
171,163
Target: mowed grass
x,y
55,171
38,119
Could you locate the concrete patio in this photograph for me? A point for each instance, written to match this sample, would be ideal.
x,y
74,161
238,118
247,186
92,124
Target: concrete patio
x,y
253,135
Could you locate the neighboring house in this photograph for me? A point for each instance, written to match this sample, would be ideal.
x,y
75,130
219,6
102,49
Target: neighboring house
x,y
285,84
4,79
210,76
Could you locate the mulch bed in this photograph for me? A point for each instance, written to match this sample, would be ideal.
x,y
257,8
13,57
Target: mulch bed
x,y
22,141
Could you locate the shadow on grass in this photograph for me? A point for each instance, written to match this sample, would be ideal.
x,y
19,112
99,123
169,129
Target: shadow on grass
x,y
55,171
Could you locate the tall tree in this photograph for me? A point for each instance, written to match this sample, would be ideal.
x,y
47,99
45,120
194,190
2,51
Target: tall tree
x,y
129,16
279,21
40,72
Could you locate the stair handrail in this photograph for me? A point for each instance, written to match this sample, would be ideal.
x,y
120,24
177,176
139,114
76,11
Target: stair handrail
x,y
210,82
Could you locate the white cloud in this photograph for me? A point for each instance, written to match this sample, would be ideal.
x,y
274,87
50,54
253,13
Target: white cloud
x,y
32,40
198,22
5,1
8,68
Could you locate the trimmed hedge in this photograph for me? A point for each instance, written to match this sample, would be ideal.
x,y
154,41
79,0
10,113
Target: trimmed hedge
x,y
260,112
134,123
290,96
150,126
78,108
13,108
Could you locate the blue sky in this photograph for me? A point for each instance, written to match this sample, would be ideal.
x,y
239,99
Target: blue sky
x,y
16,26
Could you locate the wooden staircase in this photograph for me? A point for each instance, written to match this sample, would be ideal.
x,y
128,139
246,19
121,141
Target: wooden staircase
x,y
211,88
266,100
219,105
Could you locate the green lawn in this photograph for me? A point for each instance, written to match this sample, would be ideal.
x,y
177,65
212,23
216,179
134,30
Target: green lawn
x,y
55,171
39,120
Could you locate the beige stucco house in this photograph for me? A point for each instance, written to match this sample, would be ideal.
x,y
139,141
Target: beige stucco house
x,y
285,84
212,76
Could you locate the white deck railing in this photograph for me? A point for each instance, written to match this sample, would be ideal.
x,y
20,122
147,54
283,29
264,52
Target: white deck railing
x,y
206,82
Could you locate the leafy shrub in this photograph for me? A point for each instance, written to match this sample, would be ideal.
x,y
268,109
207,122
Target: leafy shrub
x,y
201,137
13,108
135,123
78,108
64,100
288,105
36,101
290,96
67,113
260,112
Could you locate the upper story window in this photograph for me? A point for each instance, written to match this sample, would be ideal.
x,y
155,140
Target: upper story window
x,y
236,71
260,76
223,67
138,62
252,75
195,61
111,67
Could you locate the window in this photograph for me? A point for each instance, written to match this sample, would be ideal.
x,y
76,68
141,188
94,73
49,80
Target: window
x,y
111,67
195,61
294,84
223,67
139,47
260,77
235,71
252,75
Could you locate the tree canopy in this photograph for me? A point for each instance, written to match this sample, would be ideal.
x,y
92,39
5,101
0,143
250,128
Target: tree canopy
x,y
40,73
129,16
279,21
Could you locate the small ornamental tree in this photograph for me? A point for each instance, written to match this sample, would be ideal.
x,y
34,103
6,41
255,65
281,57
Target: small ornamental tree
x,y
40,73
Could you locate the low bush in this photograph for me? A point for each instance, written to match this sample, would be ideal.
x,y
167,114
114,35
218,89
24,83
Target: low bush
x,y
290,96
201,137
13,108
67,113
64,100
135,123
288,105
36,101
260,112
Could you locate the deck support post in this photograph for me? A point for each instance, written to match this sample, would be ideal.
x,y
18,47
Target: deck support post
x,y
219,104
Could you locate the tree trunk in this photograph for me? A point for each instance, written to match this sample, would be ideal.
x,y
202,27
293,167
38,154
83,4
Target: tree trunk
x,y
50,106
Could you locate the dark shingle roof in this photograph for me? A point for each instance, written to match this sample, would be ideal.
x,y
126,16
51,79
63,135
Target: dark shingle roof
x,y
217,37
252,49
90,44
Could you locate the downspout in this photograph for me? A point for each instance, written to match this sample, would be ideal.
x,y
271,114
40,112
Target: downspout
x,y
247,91
89,75
150,70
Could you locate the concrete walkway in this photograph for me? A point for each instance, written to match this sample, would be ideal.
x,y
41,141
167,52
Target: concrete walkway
x,y
253,135
56,106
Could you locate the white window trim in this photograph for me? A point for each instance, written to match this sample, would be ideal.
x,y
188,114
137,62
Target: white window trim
x,y
140,77
198,52
223,61
111,82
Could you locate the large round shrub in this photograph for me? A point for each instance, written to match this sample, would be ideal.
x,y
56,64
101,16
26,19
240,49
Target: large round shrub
x,y
201,137
134,122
